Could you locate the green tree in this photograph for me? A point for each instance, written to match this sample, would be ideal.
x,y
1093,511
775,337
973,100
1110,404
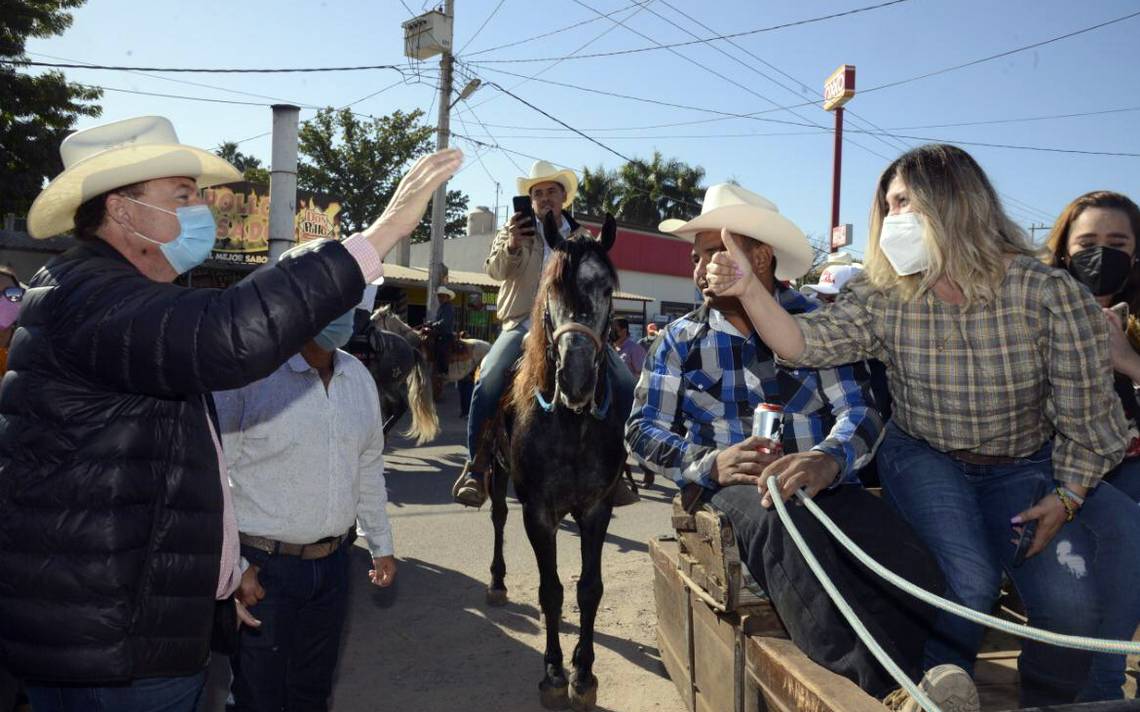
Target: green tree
x,y
659,188
36,112
361,162
598,192
250,166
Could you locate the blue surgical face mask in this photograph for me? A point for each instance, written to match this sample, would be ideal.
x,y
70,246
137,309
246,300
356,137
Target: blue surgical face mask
x,y
337,333
195,239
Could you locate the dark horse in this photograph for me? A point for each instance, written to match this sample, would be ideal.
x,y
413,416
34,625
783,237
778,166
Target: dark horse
x,y
403,383
564,451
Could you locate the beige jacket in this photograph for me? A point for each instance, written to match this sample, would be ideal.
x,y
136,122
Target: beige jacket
x,y
519,272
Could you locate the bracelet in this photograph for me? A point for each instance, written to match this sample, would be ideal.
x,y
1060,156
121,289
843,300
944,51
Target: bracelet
x,y
1080,501
1070,510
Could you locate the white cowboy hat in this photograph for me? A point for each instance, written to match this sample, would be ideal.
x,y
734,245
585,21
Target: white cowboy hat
x,y
445,291
110,156
746,213
543,172
832,279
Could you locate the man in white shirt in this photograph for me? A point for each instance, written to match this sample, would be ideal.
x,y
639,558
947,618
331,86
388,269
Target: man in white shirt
x,y
304,449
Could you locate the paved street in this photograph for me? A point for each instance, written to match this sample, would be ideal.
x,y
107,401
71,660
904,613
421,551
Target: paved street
x,y
430,643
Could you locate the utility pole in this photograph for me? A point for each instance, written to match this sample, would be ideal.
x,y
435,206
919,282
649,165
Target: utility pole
x,y
439,201
1033,228
283,181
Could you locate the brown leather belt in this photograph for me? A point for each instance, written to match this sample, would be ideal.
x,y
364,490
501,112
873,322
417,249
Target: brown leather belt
x,y
973,458
316,550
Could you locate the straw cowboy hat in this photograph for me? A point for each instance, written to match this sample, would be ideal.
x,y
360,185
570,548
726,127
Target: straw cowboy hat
x,y
746,213
445,291
110,156
544,171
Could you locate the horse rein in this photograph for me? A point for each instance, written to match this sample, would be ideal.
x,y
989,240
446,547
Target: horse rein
x,y
553,335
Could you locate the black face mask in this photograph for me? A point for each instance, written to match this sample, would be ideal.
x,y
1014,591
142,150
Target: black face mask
x,y
1104,270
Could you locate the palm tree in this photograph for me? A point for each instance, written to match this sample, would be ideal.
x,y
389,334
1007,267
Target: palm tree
x,y
250,166
598,192
660,188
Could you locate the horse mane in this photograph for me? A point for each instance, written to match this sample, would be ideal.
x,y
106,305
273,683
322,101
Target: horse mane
x,y
558,281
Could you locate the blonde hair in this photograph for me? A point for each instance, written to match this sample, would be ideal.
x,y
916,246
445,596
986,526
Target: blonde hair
x,y
967,235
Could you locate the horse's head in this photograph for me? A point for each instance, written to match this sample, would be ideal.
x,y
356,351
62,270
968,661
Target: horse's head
x,y
577,307
384,320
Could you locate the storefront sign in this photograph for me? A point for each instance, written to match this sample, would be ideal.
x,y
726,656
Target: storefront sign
x,y
241,211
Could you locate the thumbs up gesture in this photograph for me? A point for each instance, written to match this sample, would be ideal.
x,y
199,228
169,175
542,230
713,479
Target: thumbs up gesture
x,y
729,273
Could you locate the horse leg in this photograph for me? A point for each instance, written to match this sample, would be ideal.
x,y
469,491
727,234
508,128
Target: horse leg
x,y
497,591
399,406
541,532
583,683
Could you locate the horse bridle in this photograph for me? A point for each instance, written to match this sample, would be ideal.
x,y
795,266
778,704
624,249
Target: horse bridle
x,y
552,337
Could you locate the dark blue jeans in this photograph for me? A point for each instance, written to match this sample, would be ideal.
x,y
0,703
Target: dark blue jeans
x,y
1126,478
156,694
288,663
1085,582
495,373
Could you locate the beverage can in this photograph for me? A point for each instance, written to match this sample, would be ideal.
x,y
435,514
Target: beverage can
x,y
768,422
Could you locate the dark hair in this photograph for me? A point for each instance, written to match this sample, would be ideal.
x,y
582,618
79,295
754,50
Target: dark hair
x,y
89,217
1058,240
6,271
621,322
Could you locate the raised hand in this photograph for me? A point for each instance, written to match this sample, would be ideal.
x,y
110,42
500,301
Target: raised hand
x,y
729,273
406,208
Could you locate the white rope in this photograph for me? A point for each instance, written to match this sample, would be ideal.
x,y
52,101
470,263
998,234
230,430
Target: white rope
x,y
1079,642
844,608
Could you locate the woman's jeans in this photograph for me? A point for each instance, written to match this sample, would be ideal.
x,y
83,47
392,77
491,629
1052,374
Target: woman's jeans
x,y
495,374
1126,478
1085,581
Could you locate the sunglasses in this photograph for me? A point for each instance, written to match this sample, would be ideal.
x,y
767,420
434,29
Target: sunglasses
x,y
14,294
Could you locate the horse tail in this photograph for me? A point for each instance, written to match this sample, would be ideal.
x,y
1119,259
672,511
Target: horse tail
x,y
425,421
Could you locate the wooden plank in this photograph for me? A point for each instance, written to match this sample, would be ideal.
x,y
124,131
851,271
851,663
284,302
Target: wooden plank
x,y
789,682
716,678
682,520
674,619
761,620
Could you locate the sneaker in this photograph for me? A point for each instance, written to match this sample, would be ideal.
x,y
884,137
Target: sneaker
x,y
949,687
625,494
468,490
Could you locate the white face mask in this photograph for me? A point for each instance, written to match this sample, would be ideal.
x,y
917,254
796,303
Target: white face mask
x,y
902,245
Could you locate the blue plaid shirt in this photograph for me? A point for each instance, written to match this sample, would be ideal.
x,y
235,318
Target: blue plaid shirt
x,y
703,380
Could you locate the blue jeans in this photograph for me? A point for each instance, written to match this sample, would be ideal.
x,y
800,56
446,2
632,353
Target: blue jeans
x,y
1085,582
288,663
1126,478
495,374
155,694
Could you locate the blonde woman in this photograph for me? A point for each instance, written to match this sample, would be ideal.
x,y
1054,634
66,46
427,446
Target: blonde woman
x,y
1004,418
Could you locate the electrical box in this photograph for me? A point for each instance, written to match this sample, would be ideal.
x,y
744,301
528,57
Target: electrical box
x,y
427,35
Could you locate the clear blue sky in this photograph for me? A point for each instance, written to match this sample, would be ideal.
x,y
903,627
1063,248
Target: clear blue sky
x,y
1095,71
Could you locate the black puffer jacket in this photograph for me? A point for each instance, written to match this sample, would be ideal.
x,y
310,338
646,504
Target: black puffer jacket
x,y
110,495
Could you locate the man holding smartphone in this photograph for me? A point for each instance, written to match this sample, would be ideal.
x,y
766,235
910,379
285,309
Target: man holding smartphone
x,y
518,254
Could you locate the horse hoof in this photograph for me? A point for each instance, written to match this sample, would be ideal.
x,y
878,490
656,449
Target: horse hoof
x,y
497,597
583,697
553,695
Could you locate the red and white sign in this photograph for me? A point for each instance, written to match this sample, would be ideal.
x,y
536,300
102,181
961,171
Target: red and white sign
x,y
841,236
839,87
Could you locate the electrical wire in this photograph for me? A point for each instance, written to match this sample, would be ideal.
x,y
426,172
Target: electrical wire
x,y
559,31
472,38
201,70
703,40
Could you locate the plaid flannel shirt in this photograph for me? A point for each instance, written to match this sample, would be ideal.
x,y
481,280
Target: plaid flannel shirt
x,y
703,380
999,378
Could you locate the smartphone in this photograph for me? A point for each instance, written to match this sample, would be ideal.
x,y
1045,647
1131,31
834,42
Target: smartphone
x,y
1029,529
522,205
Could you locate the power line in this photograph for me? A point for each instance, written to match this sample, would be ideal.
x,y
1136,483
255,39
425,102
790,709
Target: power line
x,y
559,31
544,70
703,40
1023,119
201,70
183,96
999,55
472,38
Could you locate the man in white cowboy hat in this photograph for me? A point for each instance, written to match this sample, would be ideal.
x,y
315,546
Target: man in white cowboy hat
x,y
692,420
443,333
118,544
517,256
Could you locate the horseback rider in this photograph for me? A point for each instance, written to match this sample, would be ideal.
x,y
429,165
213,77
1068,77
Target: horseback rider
x,y
518,254
443,334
